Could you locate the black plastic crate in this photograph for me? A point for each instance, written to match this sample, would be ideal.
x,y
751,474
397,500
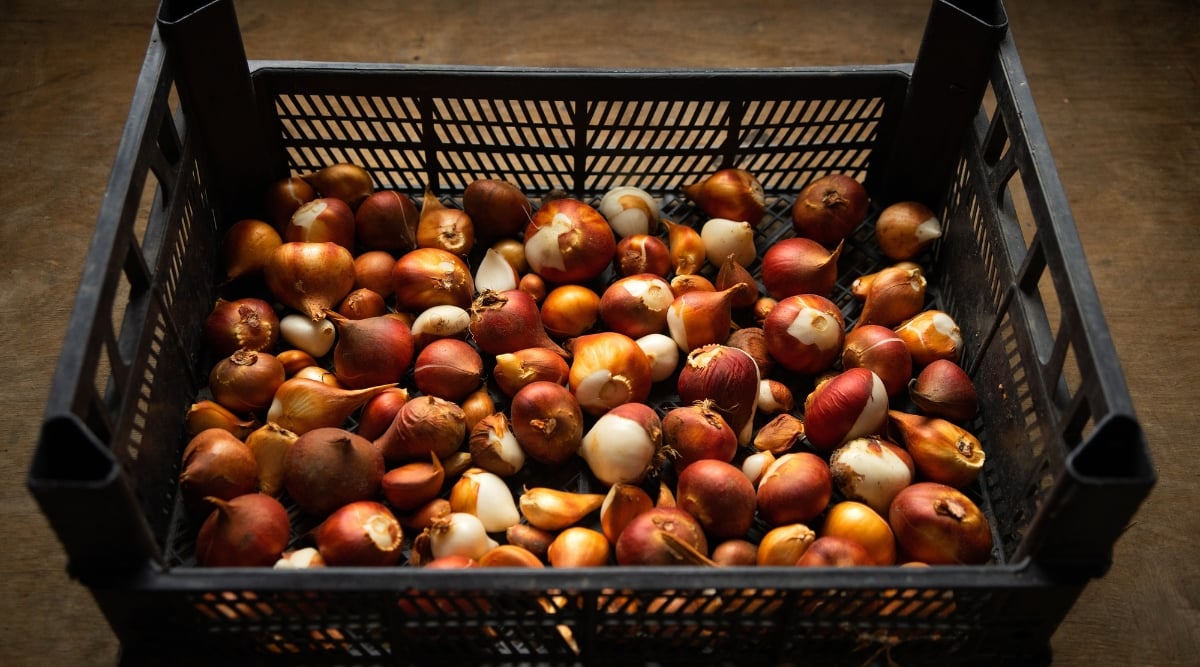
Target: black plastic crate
x,y
1067,463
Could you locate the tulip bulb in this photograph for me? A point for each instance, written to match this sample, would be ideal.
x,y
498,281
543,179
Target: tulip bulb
x,y
630,211
931,335
553,510
895,295
568,241
624,444
494,446
322,219
795,489
514,370
440,226
723,238
799,265
729,378
426,277
508,321
780,435
608,369
852,404
206,414
696,432
905,228
348,182
485,495
804,333
310,277
942,451
301,405
621,504
386,221
578,547
686,248
829,208
642,253
247,531
548,421
943,389
246,246
880,350
498,208
412,485
700,318
729,193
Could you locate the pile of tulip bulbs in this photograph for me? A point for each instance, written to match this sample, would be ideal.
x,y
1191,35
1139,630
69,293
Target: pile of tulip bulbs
x,y
489,379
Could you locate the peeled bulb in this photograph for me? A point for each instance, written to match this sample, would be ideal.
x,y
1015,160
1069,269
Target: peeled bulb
x,y
662,353
871,470
315,337
623,445
630,211
269,444
723,237
495,273
486,495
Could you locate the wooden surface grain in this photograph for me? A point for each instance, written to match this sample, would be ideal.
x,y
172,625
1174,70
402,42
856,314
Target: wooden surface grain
x,y
1117,86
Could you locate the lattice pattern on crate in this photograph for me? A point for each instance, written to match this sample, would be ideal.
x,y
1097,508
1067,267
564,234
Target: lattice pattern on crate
x,y
481,626
578,146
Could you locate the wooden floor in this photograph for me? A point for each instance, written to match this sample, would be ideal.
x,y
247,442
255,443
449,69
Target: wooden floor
x,y
1117,84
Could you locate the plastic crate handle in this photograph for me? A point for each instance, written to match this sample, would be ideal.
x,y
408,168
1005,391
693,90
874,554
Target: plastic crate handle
x,y
204,45
949,77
